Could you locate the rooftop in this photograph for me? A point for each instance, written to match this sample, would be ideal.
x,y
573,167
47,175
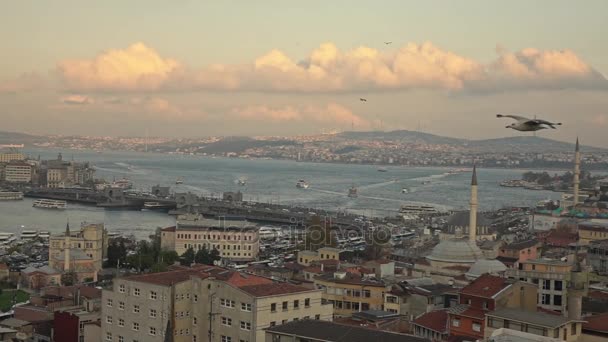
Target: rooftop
x,y
521,245
333,332
486,266
530,317
458,250
485,286
350,278
374,315
434,320
596,323
273,289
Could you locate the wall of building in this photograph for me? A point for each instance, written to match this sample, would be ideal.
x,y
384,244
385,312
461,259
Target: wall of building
x,y
66,327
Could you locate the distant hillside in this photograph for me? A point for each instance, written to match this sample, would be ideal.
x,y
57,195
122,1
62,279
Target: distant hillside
x,y
19,138
528,144
240,144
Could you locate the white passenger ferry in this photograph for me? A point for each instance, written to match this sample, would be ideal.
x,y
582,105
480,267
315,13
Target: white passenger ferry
x,y
11,195
29,234
50,204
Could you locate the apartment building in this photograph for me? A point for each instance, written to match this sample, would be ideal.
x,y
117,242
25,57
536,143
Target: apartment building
x,y
204,303
590,231
521,250
236,240
20,172
552,278
349,293
324,253
11,156
597,255
537,323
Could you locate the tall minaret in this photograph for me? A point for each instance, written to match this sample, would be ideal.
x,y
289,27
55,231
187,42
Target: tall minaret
x,y
577,173
66,250
473,207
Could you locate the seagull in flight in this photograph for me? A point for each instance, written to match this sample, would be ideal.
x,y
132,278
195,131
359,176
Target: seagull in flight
x,y
362,99
387,43
528,125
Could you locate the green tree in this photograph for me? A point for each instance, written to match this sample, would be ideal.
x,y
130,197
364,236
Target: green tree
x,y
188,257
116,251
159,267
68,278
169,257
202,256
214,256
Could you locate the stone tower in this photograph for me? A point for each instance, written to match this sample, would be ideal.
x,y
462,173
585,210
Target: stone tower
x,y
577,173
473,207
66,250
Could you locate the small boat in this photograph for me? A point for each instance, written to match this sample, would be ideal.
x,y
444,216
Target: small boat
x,y
179,180
352,192
405,191
382,169
50,204
242,182
426,182
6,238
301,184
158,206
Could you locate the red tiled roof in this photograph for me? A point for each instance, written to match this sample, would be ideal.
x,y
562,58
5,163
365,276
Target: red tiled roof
x,y
273,289
598,294
238,279
485,286
474,313
167,278
596,323
547,311
434,320
313,269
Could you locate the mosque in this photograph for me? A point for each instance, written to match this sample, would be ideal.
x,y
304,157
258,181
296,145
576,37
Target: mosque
x,y
458,260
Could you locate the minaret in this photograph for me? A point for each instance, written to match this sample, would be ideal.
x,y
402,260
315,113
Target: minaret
x,y
66,250
473,207
577,173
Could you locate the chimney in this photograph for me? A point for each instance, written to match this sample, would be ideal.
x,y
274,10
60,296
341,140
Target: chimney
x,y
473,207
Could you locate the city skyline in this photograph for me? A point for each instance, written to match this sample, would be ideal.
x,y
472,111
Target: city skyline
x,y
272,69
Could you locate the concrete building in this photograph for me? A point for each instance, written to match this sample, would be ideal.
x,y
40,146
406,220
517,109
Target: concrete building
x,y
204,303
306,258
521,250
8,157
81,252
597,255
537,323
19,172
236,240
413,300
552,278
350,292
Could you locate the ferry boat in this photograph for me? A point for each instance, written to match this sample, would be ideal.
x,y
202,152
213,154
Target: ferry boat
x,y
269,232
43,234
415,209
157,206
405,191
242,182
179,180
11,195
50,204
301,184
352,192
455,171
7,238
122,183
29,234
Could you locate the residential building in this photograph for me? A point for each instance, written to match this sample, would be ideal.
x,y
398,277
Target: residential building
x,y
522,250
8,157
236,240
349,293
589,231
537,323
597,255
313,330
192,303
306,257
433,325
552,278
19,172
510,335
413,300
37,278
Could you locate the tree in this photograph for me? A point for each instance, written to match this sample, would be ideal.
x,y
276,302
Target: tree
x,y
68,278
116,251
159,267
203,256
214,256
188,257
169,257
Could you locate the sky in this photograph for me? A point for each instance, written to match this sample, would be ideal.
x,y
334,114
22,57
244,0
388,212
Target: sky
x,y
200,68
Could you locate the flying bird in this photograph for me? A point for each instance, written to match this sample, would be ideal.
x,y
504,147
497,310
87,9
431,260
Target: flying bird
x,y
362,99
388,43
528,125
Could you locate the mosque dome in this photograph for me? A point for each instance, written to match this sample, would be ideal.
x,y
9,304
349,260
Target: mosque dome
x,y
456,251
491,266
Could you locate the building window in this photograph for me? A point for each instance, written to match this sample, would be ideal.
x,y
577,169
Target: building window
x,y
366,293
227,303
121,338
109,319
273,323
121,322
296,304
135,308
121,288
557,300
226,321
246,307
109,302
195,298
485,304
121,305
317,317
273,307
456,322
245,326
284,306
546,284
307,302
557,285
226,338
546,299
153,295
476,326
136,292
135,326
193,338
573,329
109,336
153,313
152,331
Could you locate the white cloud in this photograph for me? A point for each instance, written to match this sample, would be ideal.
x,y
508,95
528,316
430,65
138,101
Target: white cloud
x,y
330,114
328,69
76,99
23,83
